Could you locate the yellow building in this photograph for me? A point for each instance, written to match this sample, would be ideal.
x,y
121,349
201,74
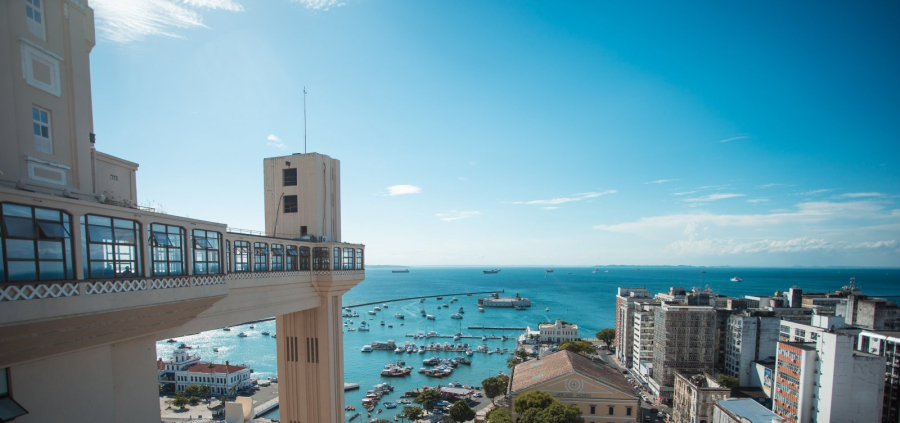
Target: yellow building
x,y
600,392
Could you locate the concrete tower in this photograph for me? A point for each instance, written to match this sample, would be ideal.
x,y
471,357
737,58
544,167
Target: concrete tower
x,y
303,197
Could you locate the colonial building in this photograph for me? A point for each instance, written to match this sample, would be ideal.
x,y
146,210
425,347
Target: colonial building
x,y
694,397
183,369
599,391
557,332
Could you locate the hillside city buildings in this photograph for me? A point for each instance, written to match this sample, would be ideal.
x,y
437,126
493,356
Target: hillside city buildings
x,y
90,280
803,357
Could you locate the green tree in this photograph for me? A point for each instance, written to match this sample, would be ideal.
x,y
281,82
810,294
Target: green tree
x,y
513,362
413,413
179,401
495,386
579,347
499,415
607,336
461,412
558,413
194,400
728,381
538,400
428,398
192,390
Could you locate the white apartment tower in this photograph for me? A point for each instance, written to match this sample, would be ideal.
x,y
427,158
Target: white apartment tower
x,y
749,337
642,353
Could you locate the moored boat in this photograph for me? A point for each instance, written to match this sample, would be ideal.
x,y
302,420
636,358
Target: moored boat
x,y
491,272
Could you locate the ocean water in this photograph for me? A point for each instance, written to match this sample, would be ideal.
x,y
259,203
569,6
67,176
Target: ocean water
x,y
573,294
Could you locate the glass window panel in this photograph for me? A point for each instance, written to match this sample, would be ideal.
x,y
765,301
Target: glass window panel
x,y
175,230
52,230
122,223
160,268
45,132
16,210
19,227
175,269
159,254
291,251
213,255
52,270
200,268
19,249
36,128
175,240
100,252
50,250
22,270
100,233
35,113
199,255
30,13
126,236
99,220
213,267
2,265
37,16
174,254
161,240
46,214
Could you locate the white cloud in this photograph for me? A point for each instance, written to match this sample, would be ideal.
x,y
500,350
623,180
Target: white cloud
x,y
661,181
324,5
550,208
717,246
860,195
132,20
684,193
457,215
711,197
276,142
758,200
403,190
772,185
463,178
743,137
814,192
561,200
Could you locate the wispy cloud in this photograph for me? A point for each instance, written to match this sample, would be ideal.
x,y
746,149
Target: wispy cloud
x,y
758,200
861,195
457,215
772,185
403,190
661,181
133,20
323,5
276,142
717,246
814,192
743,137
575,197
463,178
711,197
685,192
550,208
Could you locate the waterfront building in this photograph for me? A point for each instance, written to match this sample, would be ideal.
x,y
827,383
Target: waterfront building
x,y
684,339
598,390
90,280
557,332
694,396
827,380
183,369
750,336
626,301
642,353
887,345
496,300
742,410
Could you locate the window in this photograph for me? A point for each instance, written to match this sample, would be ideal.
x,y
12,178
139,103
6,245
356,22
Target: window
x,y
337,258
207,246
35,244
9,408
304,258
627,411
348,258
260,257
241,256
111,247
43,140
166,250
34,14
593,409
291,259
289,177
290,204
612,410
359,258
277,257
320,258
228,255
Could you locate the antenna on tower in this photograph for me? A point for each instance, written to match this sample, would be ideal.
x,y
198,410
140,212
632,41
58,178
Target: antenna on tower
x,y
304,120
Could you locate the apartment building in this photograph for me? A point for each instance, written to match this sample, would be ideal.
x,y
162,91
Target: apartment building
x,y
750,336
684,340
642,353
695,395
887,345
626,301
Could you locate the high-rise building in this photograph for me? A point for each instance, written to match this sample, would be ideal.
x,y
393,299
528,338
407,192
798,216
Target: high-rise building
x,y
89,281
684,339
887,345
642,352
626,300
695,396
750,336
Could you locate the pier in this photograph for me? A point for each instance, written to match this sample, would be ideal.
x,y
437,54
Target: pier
x,y
494,328
424,296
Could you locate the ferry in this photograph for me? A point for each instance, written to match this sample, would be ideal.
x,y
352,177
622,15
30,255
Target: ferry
x,y
736,279
495,300
400,271
491,272
366,348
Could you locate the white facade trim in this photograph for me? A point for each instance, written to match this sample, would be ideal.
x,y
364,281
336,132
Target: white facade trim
x,y
31,54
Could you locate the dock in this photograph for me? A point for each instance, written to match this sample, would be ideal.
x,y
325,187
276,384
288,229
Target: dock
x,y
265,407
495,328
424,296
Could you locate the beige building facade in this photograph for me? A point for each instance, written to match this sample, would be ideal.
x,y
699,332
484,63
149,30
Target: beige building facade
x,y
695,396
89,281
599,391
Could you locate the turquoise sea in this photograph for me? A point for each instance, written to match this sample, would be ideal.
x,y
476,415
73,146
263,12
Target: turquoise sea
x,y
574,294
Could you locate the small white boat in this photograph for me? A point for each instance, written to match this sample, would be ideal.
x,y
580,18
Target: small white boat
x,y
547,309
429,317
366,348
377,308
242,335
736,279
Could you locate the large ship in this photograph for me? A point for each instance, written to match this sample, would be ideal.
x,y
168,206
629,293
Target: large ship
x,y
400,271
495,300
491,272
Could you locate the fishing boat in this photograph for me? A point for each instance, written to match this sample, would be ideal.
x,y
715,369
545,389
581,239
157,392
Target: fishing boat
x,y
481,309
376,308
547,309
382,323
439,297
549,270
171,341
215,350
456,316
252,327
227,329
362,329
702,271
371,311
390,405
491,272
266,333
384,305
736,279
399,315
429,317
366,348
242,335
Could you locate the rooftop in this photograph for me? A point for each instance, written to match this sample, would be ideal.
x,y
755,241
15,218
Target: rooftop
x,y
533,372
748,409
808,346
216,368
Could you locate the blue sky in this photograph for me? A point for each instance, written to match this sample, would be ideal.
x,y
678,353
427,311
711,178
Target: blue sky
x,y
524,133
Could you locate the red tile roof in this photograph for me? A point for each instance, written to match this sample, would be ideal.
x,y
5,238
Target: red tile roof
x,y
160,365
216,368
531,373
